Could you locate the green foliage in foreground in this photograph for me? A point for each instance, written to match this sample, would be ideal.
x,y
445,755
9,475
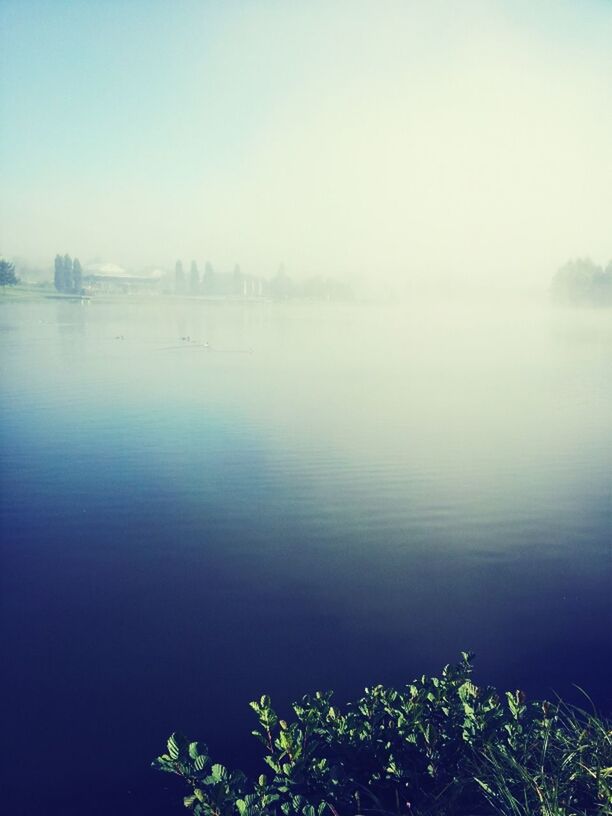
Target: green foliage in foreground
x,y
441,745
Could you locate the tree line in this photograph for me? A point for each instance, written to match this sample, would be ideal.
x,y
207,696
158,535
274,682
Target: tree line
x,y
7,273
239,284
581,281
68,275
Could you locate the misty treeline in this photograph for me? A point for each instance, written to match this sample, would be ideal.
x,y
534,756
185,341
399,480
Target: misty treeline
x,y
583,281
7,273
239,284
68,275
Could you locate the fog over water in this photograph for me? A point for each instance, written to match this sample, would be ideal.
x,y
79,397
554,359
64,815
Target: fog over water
x,y
390,143
213,486
326,496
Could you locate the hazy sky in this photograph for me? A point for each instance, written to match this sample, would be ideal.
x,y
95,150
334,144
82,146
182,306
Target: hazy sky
x,y
468,140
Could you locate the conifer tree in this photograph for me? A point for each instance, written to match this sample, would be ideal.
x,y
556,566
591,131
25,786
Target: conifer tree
x,y
208,279
58,277
7,273
179,278
77,276
194,279
67,285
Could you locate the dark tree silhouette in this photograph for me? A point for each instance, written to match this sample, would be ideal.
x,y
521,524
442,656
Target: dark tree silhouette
x,y
59,273
68,284
194,279
581,281
208,280
179,278
7,274
77,276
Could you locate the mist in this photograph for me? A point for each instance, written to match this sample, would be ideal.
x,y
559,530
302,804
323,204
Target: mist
x,y
305,353
402,142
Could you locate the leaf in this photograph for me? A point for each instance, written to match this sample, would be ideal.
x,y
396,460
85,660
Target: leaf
x,y
218,773
200,762
173,746
197,749
163,764
484,786
512,704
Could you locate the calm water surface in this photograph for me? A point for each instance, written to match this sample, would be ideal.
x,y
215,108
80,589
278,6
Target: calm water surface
x,y
326,497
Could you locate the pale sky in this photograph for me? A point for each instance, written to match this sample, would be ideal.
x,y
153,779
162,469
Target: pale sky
x,y
464,140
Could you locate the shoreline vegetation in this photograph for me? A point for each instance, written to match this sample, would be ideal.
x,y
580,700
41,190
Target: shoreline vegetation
x,y
28,291
582,282
25,291
578,283
440,745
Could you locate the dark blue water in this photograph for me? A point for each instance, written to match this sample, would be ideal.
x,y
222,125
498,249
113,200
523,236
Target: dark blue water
x,y
328,497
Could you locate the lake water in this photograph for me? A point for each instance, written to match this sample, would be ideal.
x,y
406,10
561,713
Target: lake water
x,y
326,497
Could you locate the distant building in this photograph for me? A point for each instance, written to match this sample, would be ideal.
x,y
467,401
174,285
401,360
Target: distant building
x,y
113,279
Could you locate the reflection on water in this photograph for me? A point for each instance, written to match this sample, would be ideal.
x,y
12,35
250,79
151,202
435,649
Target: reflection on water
x,y
321,497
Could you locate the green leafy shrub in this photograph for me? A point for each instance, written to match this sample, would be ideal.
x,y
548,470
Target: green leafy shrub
x,y
441,746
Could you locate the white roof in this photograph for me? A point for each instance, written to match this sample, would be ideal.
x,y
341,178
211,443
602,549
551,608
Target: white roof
x,y
110,269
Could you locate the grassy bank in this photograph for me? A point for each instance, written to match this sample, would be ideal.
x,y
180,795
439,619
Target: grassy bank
x,y
440,745
23,291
